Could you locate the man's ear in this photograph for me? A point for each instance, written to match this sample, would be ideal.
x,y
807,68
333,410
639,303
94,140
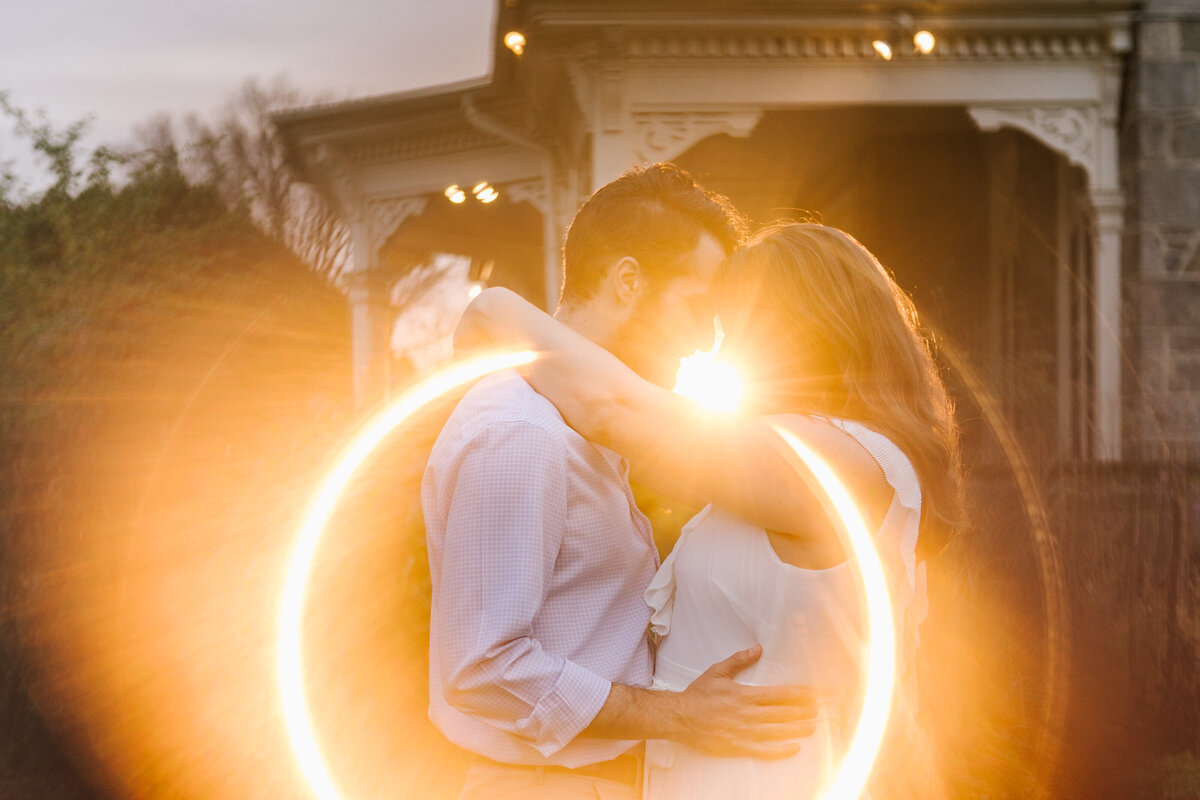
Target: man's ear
x,y
628,280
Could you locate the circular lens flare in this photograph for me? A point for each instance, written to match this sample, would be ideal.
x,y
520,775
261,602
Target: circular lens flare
x,y
852,774
291,676
855,769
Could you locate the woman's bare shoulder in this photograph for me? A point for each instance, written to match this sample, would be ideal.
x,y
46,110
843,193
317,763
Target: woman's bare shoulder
x,y
853,463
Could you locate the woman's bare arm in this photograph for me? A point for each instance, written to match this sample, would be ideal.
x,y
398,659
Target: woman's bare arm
x,y
679,448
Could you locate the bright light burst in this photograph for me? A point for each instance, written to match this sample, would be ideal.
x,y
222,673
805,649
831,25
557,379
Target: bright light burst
x,y
856,766
713,384
515,41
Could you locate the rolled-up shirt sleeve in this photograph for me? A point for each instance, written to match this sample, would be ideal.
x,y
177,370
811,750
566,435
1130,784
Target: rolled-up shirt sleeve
x,y
505,510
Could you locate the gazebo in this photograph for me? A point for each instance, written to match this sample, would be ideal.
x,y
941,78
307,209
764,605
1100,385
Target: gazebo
x,y
972,145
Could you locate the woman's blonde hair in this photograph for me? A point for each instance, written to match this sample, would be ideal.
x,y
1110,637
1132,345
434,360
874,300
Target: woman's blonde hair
x,y
826,331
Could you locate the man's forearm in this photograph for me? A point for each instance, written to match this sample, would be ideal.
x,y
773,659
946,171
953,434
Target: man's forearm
x,y
632,713
715,714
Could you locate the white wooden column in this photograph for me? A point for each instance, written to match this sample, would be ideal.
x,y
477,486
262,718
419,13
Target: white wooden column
x,y
369,293
611,150
1110,223
368,300
1109,204
547,195
370,334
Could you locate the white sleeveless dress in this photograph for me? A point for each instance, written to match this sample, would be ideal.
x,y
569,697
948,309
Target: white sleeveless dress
x,y
724,589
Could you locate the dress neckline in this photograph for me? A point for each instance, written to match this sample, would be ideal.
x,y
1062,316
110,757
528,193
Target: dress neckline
x,y
766,542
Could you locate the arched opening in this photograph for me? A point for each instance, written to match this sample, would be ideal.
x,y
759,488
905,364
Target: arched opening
x,y
433,260
989,232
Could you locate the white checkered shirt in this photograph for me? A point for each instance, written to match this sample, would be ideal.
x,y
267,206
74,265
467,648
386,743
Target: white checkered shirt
x,y
539,558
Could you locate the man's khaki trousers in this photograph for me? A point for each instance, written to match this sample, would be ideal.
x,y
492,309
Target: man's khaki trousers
x,y
498,782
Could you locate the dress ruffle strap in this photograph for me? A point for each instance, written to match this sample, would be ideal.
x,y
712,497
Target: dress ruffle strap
x,y
900,475
913,599
897,469
660,594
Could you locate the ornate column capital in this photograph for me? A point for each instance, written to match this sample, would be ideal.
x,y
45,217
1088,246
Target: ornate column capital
x,y
387,214
532,191
337,179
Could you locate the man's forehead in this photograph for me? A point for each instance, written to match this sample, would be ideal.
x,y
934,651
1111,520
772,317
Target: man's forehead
x,y
706,259
694,271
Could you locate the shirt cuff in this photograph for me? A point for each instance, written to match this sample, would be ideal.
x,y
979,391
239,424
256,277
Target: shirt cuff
x,y
568,708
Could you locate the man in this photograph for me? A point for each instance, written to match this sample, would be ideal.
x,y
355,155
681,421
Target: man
x,y
538,554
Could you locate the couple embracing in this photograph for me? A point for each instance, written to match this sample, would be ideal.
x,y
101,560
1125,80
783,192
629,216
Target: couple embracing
x,y
563,655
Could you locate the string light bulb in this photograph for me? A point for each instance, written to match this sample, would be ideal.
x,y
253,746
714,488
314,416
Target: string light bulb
x,y
515,41
883,48
484,192
924,42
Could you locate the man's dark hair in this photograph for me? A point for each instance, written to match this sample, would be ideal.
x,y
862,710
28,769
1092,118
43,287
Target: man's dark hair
x,y
655,214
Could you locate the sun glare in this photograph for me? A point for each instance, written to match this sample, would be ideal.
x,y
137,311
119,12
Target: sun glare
x,y
713,384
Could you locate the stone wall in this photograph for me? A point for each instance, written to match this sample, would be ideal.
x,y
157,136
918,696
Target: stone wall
x,y
1161,170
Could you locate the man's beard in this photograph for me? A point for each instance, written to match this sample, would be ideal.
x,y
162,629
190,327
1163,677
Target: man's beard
x,y
641,346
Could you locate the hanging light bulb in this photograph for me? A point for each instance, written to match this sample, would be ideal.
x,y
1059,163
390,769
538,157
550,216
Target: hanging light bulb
x,y
924,41
454,194
515,41
883,48
484,192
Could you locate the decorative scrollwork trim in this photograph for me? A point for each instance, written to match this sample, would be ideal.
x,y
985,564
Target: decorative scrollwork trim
x,y
663,135
388,214
1070,130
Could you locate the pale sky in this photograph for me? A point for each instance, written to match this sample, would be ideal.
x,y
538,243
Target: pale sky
x,y
123,61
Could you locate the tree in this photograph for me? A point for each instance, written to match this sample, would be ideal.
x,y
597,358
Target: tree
x,y
146,326
243,155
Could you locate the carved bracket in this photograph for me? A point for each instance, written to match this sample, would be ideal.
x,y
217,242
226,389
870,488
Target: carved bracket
x,y
560,207
385,216
333,176
663,135
1073,131
532,191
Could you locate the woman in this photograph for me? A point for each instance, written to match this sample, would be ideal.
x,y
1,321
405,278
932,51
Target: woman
x,y
833,352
